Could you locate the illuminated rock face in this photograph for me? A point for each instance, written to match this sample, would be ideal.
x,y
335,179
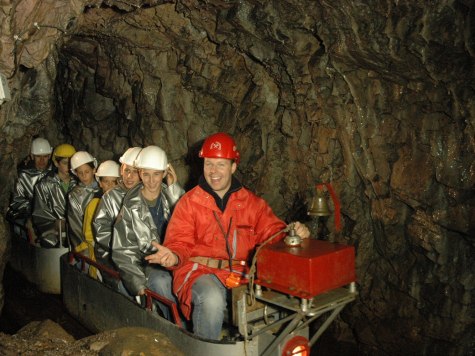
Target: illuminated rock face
x,y
376,97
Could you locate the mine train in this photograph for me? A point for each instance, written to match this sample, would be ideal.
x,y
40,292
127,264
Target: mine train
x,y
296,292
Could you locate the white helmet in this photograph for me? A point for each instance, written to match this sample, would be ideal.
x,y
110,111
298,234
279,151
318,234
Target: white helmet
x,y
41,146
80,158
130,155
108,169
152,157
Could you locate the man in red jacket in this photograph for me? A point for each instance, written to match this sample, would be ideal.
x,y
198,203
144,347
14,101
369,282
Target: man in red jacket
x,y
214,226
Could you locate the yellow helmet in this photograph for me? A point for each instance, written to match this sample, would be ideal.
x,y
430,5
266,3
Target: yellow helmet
x,y
64,150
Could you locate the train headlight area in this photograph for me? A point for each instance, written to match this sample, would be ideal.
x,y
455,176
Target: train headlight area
x,y
295,346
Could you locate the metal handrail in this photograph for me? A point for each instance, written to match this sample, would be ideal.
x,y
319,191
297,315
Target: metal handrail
x,y
170,304
150,295
84,259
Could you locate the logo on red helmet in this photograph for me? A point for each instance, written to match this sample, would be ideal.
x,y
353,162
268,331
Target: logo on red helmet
x,y
215,146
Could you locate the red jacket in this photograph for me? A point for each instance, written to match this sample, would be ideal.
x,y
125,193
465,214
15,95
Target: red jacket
x,y
193,231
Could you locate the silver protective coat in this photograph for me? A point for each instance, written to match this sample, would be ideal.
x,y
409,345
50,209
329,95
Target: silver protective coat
x,y
78,199
49,204
134,232
21,205
103,223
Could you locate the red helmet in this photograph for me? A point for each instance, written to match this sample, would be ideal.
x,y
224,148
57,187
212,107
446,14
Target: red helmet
x,y
220,145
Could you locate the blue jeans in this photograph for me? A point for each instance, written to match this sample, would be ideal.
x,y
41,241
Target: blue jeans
x,y
209,305
119,285
159,280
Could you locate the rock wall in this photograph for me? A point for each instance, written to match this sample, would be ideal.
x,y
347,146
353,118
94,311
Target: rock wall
x,y
376,97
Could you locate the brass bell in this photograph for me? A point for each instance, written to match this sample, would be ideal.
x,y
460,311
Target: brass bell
x,y
319,205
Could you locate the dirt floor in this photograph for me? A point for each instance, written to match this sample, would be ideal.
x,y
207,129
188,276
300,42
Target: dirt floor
x,y
24,304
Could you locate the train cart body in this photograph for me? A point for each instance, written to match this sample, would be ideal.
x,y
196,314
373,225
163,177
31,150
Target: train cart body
x,y
271,316
40,266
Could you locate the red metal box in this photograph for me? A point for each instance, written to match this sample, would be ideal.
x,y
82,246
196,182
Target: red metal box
x,y
307,270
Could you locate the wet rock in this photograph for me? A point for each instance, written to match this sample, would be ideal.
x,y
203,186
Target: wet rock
x,y
133,341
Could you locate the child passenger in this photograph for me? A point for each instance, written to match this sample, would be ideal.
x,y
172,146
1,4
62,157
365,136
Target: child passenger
x,y
83,165
30,173
49,198
106,214
107,175
143,219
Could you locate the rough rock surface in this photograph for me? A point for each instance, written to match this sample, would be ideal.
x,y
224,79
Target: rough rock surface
x,y
377,97
48,338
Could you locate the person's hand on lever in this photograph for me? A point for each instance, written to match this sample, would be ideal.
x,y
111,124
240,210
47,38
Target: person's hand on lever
x,y
301,230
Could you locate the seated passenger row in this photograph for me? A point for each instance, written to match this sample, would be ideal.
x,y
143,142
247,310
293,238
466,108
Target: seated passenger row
x,y
132,215
46,197
38,204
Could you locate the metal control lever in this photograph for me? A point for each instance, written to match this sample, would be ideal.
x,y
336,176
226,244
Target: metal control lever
x,y
292,239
